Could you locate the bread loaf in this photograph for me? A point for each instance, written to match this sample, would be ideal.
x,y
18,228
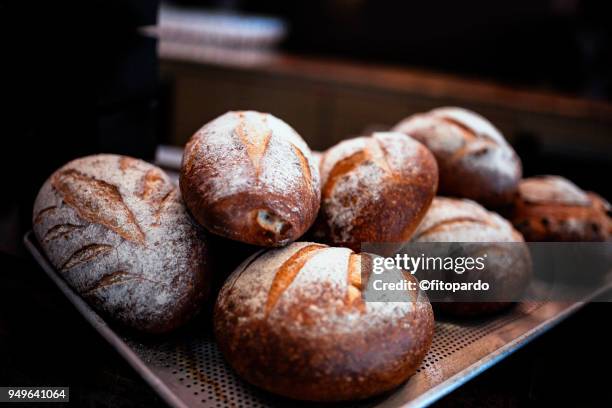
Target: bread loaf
x,y
375,189
116,230
250,177
508,266
551,208
474,159
293,321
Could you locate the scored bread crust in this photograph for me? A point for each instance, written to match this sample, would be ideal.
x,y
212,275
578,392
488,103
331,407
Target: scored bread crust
x,y
250,177
552,208
508,269
117,231
374,190
293,321
462,220
474,159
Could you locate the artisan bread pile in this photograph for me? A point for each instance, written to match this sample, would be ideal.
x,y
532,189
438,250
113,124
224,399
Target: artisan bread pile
x,y
292,319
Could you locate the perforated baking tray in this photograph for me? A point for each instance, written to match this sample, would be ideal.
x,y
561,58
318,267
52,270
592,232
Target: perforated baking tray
x,y
187,370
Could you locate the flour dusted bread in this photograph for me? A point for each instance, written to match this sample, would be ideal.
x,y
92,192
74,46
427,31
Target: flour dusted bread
x,y
474,159
552,208
116,230
250,177
293,321
374,190
507,266
461,220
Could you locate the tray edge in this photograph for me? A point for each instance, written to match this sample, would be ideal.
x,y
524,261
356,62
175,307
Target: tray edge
x,y
101,327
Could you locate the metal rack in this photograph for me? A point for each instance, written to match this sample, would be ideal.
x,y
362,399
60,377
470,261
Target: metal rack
x,y
187,370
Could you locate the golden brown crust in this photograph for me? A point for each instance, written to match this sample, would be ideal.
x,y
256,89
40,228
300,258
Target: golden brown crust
x,y
87,195
375,190
287,272
474,159
318,343
248,176
550,208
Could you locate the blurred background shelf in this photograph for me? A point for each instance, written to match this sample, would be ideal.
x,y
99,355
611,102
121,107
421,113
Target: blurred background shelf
x,y
328,100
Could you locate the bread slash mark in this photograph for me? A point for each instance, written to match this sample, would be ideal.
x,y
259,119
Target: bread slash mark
x,y
161,204
38,217
469,133
287,273
152,184
304,165
342,168
61,230
355,283
439,225
109,280
126,162
98,202
255,140
378,154
85,254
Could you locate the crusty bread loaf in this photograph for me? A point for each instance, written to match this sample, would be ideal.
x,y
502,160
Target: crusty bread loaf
x,y
461,220
250,177
508,266
551,208
374,189
116,230
293,321
474,159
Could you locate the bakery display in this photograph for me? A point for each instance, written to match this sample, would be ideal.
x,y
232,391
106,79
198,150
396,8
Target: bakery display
x,y
374,190
474,159
250,177
508,266
293,321
552,208
117,231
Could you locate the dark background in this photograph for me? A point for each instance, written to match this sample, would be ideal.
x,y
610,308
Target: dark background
x,y
557,44
78,79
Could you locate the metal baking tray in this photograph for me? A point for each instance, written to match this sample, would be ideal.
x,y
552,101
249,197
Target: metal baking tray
x,y
187,369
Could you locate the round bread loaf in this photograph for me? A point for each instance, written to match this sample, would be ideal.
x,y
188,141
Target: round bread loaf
x,y
507,266
474,159
250,177
374,190
293,321
551,208
116,230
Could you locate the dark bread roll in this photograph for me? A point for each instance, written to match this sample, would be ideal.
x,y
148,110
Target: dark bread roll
x,y
117,231
508,266
293,321
250,177
474,159
374,190
552,208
